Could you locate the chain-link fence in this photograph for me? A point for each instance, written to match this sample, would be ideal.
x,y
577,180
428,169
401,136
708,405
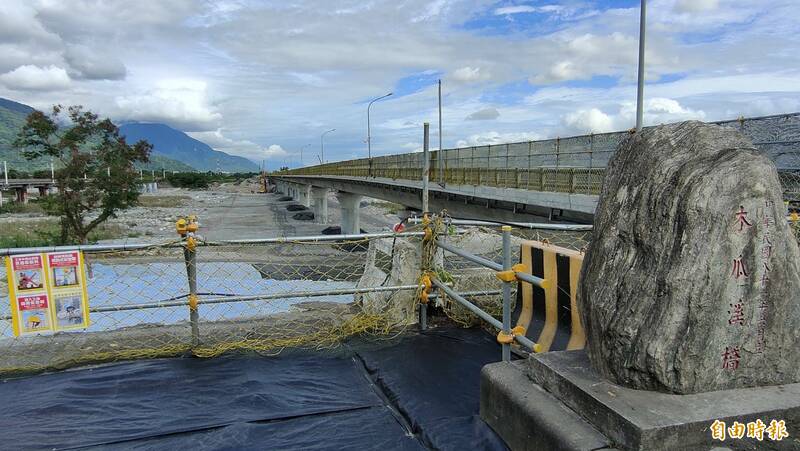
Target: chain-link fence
x,y
574,165
257,295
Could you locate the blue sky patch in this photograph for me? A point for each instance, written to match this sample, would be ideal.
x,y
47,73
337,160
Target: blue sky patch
x,y
509,93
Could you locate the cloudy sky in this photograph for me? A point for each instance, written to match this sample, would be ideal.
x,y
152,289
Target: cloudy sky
x,y
263,79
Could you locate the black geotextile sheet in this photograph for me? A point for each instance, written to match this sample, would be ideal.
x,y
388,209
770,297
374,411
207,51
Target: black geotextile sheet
x,y
433,379
419,393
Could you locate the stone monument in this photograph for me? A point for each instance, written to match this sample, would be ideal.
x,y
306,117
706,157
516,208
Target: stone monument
x,y
692,280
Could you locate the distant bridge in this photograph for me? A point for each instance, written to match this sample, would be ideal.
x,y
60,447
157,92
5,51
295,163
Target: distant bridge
x,y
554,178
21,187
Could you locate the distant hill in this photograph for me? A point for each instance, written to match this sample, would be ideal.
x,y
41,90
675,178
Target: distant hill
x,y
179,146
12,118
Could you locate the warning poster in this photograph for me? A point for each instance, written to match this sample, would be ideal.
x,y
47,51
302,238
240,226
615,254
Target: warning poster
x,y
48,292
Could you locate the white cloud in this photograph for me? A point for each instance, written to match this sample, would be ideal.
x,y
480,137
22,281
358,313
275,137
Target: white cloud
x,y
182,103
241,147
657,110
35,78
470,74
514,10
589,121
488,138
486,114
284,72
694,6
90,64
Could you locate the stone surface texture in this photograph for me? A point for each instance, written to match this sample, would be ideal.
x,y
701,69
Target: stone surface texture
x,y
691,281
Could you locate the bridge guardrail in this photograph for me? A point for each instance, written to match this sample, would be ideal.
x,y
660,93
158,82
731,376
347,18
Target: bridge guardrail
x,y
574,165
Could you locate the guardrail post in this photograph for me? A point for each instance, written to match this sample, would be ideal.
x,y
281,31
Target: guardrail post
x,y
506,292
186,228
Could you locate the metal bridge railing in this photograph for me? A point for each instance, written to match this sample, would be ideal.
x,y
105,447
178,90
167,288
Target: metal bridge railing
x,y
574,165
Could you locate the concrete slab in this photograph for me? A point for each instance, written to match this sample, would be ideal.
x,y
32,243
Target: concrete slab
x,y
527,417
643,420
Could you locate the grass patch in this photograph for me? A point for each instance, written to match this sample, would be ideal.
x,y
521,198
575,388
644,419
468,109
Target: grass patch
x,y
45,232
16,207
163,201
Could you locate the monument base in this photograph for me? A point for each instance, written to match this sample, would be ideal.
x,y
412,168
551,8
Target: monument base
x,y
557,401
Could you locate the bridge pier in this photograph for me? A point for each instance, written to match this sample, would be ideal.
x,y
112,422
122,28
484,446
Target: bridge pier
x,y
320,202
22,194
349,204
305,195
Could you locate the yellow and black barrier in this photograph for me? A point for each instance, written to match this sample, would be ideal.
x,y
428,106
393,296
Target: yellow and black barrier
x,y
549,314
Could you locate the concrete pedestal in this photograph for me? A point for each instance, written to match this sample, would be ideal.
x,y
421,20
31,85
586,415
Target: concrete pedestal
x,y
557,401
349,203
320,204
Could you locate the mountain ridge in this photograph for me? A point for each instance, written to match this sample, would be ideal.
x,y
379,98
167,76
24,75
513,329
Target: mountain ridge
x,y
168,143
179,146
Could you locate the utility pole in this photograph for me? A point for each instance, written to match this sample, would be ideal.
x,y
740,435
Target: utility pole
x,y
640,86
52,171
439,153
5,171
426,166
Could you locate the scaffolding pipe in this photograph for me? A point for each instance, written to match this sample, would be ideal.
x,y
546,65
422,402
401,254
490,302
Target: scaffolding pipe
x,y
524,225
471,257
506,292
524,341
231,299
138,246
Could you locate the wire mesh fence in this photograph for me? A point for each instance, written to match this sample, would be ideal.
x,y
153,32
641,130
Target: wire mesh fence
x,y
258,296
574,165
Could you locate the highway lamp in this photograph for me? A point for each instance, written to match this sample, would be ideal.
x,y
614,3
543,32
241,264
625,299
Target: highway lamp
x,y
322,145
301,154
369,135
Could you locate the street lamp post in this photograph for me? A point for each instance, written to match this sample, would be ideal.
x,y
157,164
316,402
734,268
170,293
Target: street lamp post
x,y
301,155
322,145
640,84
369,135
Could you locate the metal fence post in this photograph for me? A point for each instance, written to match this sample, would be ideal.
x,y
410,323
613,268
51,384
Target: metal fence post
x,y
186,228
506,292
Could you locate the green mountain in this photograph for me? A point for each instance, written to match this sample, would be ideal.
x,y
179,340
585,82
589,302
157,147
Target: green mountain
x,y
178,145
12,118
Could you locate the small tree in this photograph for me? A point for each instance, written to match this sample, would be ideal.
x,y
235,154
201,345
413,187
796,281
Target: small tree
x,y
96,172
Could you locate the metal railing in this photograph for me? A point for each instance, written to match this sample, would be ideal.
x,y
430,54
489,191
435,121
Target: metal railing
x,y
574,165
240,294
508,274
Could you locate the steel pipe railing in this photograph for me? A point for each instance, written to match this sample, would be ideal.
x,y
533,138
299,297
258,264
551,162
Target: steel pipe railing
x,y
524,341
471,257
231,299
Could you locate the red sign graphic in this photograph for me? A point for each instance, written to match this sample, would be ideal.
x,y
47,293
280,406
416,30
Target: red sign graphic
x,y
65,259
32,302
26,262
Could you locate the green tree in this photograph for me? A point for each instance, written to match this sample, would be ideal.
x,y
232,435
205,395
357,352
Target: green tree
x,y
96,176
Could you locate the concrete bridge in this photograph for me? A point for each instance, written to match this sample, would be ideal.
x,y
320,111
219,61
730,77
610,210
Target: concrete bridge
x,y
21,187
555,179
